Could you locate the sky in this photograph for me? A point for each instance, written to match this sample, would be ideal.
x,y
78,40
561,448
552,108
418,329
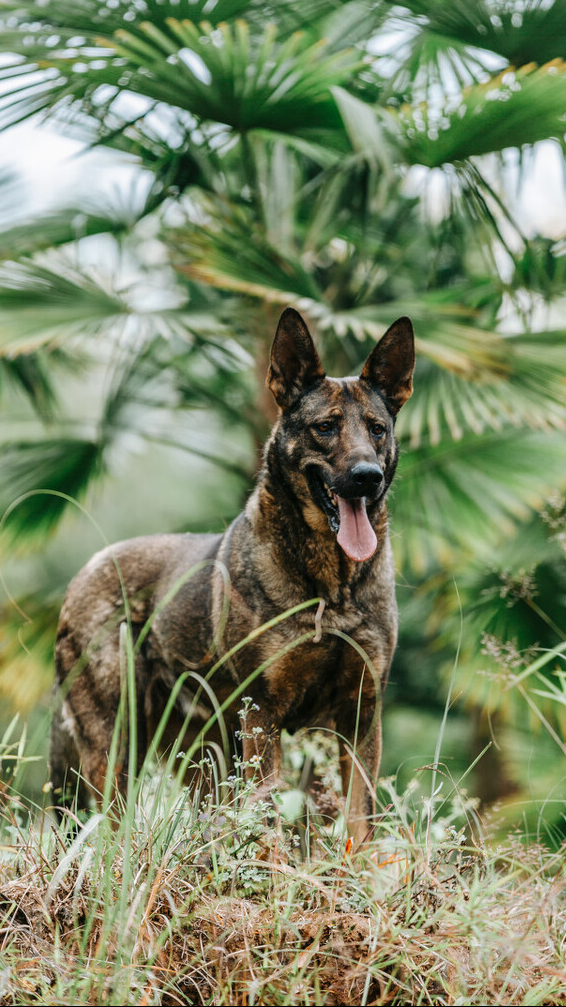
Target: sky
x,y
53,171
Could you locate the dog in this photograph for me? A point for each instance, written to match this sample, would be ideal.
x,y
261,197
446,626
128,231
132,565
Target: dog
x,y
293,605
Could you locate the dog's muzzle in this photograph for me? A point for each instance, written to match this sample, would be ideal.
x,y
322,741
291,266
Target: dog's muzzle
x,y
344,503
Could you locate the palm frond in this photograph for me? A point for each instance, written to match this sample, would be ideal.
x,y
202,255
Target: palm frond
x,y
216,71
32,375
59,228
68,22
349,24
463,496
365,128
175,154
449,406
474,379
41,304
342,23
517,32
48,300
516,108
469,379
221,255
182,372
215,74
428,63
541,268
34,473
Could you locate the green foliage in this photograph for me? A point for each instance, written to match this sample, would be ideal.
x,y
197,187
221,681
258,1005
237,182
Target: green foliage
x,y
47,303
518,33
489,117
41,478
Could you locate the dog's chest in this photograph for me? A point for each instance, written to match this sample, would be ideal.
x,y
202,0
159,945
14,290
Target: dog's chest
x,y
313,668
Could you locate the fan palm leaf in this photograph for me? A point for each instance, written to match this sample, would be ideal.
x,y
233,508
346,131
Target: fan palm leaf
x,y
476,379
215,71
38,478
518,33
517,107
470,494
41,305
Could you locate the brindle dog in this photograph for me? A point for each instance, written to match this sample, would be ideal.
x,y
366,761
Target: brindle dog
x,y
315,529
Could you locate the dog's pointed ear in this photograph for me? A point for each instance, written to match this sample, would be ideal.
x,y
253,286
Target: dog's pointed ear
x,y
294,364
390,365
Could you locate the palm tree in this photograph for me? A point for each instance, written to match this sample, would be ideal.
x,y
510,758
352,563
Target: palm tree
x,y
280,150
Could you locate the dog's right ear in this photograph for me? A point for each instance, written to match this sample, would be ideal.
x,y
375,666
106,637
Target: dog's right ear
x,y
389,367
294,363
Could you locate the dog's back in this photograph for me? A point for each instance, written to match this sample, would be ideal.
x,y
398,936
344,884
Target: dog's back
x,y
123,585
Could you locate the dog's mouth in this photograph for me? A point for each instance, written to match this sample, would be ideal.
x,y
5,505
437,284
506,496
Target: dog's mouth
x,y
348,519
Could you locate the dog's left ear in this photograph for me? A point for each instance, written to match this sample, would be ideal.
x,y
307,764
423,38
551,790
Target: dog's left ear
x,y
390,365
294,363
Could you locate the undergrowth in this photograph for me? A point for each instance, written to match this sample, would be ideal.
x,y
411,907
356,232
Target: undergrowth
x,y
212,899
165,896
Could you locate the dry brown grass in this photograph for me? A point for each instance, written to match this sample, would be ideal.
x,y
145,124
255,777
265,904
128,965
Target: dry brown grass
x,y
193,908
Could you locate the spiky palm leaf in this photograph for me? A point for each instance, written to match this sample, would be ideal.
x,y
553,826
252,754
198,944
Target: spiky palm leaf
x,y
41,304
469,494
216,71
38,477
476,379
518,33
517,107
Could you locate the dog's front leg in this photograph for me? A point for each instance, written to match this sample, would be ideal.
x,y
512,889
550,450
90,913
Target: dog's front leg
x,y
261,749
360,754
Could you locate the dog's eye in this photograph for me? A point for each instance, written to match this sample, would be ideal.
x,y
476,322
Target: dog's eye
x,y
377,430
324,427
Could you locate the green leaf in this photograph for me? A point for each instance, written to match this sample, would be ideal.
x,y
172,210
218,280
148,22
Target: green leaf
x,y
228,78
514,109
520,381
42,305
519,33
222,256
59,228
31,374
216,70
64,465
462,496
365,129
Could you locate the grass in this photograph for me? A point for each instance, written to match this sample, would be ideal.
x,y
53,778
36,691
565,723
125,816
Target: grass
x,y
170,897
174,900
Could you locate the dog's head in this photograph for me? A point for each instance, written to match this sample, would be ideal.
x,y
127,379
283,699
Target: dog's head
x,y
337,433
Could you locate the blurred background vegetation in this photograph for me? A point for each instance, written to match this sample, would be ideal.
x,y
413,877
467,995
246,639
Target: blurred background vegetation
x,y
358,160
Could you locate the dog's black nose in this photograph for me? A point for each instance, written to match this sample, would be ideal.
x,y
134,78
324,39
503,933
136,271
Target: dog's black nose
x,y
366,478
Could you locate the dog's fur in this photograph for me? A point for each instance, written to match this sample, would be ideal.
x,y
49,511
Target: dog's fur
x,y
315,529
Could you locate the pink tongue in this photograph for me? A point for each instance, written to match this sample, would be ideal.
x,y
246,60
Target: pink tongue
x,y
356,536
